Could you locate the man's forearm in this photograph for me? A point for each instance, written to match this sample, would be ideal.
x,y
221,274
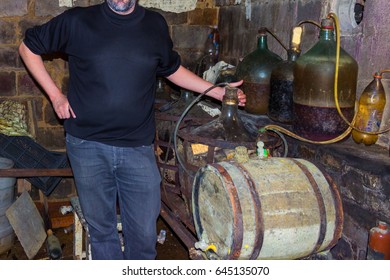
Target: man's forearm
x,y
36,67
188,80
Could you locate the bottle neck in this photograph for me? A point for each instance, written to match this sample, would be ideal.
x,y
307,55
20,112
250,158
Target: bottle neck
x,y
262,42
382,225
378,82
229,110
187,96
327,34
229,104
292,55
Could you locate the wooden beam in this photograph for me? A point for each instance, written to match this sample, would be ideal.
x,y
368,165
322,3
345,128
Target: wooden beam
x,y
36,172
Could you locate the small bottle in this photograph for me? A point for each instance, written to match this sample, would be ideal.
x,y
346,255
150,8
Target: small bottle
x,y
211,50
209,59
53,246
369,117
379,242
209,45
216,42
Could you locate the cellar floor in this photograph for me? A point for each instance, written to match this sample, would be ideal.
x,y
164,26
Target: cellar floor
x,y
171,249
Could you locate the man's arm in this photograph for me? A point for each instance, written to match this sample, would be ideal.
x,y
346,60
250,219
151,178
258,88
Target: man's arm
x,y
186,79
36,67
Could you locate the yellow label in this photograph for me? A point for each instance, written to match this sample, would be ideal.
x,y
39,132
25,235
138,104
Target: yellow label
x,y
198,149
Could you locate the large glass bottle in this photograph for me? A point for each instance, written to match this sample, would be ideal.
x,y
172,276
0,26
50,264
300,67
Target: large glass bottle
x,y
316,115
255,69
369,117
280,108
228,126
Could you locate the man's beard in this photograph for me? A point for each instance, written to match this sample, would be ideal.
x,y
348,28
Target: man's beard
x,y
121,7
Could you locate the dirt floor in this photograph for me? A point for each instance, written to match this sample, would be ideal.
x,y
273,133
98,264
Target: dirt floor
x,y
171,249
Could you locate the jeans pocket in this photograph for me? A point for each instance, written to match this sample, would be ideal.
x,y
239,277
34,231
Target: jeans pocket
x,y
72,140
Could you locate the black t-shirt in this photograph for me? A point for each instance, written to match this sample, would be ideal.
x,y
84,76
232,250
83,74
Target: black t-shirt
x,y
113,63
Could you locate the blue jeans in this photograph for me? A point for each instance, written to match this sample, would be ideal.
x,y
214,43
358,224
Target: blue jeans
x,y
105,173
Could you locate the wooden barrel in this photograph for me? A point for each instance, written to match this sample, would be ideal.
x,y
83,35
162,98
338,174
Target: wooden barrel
x,y
273,208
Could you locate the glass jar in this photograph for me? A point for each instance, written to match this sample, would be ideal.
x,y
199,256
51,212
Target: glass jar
x,y
316,115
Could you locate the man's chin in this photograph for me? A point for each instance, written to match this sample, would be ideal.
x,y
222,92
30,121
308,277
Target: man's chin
x,y
121,7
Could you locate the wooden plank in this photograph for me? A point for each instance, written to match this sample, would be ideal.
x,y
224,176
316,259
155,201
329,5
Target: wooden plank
x,y
27,223
36,172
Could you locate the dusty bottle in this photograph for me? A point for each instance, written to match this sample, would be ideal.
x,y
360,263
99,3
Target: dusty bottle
x,y
369,116
216,42
211,50
53,246
280,108
255,69
228,126
316,115
379,242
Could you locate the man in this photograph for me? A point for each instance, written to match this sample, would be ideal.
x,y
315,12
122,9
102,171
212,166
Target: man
x,y
115,51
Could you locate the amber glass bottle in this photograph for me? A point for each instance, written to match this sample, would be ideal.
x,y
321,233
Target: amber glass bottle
x,y
369,117
316,115
255,69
